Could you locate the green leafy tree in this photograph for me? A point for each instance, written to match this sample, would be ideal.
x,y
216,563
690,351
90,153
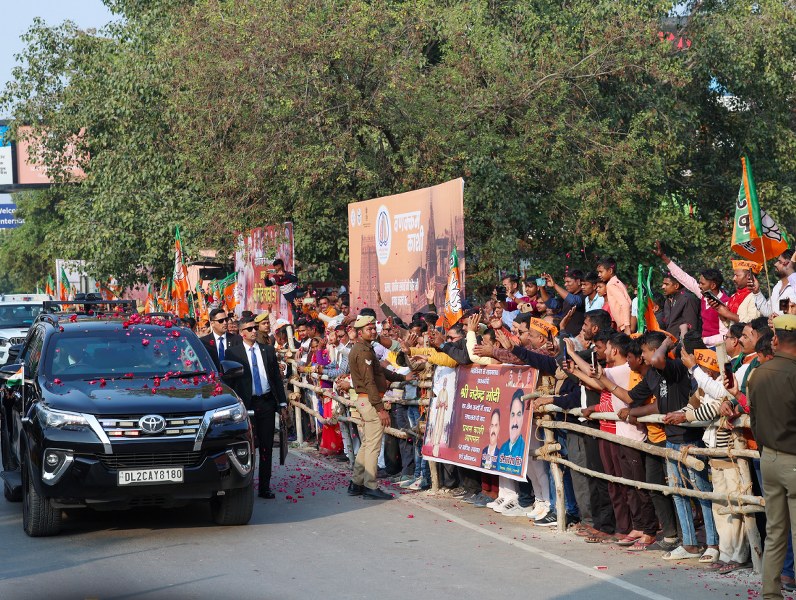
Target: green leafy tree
x,y
580,127
98,101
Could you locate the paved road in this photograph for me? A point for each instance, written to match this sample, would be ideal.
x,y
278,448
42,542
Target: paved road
x,y
322,544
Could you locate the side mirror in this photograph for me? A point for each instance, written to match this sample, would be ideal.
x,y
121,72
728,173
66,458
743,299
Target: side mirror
x,y
231,369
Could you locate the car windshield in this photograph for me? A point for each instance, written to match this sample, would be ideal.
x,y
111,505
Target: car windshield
x,y
134,352
18,315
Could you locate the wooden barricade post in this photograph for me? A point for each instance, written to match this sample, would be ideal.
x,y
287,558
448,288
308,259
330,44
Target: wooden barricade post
x,y
749,522
557,473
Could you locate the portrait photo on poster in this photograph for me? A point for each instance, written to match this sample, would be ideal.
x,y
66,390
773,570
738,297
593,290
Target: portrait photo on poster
x,y
478,418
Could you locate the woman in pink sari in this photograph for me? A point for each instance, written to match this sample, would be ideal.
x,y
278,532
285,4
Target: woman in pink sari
x,y
331,438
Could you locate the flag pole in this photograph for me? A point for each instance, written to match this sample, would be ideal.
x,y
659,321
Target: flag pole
x,y
751,193
765,263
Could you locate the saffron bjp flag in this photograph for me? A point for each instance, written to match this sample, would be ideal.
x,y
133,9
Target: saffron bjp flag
x,y
180,288
201,304
63,292
105,291
755,235
149,302
227,289
215,291
49,287
647,321
165,294
453,292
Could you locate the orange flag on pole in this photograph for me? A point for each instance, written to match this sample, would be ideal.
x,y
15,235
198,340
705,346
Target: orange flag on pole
x,y
755,235
453,292
180,288
63,291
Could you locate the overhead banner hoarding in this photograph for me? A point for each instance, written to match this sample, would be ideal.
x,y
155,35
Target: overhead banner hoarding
x,y
6,158
256,252
20,169
400,245
30,171
477,418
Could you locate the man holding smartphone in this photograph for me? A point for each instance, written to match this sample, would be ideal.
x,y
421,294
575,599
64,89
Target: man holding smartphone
x,y
708,290
744,305
571,295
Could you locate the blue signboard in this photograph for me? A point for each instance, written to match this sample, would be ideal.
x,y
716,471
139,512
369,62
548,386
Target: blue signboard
x,y
7,219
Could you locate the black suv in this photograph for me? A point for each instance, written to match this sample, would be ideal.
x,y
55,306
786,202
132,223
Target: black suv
x,y
120,412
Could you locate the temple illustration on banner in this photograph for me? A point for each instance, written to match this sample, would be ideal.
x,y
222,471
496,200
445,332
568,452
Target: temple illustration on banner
x,y
428,235
438,250
368,274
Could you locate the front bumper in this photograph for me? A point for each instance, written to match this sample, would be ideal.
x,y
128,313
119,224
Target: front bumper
x,y
92,480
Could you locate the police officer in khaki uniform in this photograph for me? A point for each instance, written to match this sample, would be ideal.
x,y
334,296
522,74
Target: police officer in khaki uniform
x,y
370,381
772,400
264,337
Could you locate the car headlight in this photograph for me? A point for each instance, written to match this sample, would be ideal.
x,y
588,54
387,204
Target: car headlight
x,y
234,413
61,419
4,342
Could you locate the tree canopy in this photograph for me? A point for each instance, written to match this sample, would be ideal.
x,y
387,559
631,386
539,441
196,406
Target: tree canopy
x,y
581,127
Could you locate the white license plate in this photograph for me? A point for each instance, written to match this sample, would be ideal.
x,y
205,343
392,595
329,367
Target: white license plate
x,y
150,476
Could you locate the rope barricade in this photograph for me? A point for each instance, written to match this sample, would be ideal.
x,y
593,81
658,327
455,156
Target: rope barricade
x,y
742,503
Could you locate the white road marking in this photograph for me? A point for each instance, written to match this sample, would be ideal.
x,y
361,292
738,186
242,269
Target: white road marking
x,y
543,553
635,589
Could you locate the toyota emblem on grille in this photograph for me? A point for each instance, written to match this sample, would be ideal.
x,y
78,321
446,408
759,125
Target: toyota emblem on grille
x,y
152,424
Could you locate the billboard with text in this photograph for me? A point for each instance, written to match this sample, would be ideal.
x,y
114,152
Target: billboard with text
x,y
399,246
256,251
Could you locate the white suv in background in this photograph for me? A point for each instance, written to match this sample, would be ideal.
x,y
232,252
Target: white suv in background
x,y
17,313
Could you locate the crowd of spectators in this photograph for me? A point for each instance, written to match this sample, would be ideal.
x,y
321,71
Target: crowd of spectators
x,y
581,334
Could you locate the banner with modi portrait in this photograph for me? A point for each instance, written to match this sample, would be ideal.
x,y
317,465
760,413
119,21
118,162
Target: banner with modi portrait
x,y
256,251
400,246
478,419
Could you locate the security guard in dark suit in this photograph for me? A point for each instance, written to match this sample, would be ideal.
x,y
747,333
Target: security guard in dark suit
x,y
262,390
219,341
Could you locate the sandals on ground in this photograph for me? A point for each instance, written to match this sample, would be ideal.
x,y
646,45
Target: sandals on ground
x,y
731,566
628,541
642,544
711,555
680,553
